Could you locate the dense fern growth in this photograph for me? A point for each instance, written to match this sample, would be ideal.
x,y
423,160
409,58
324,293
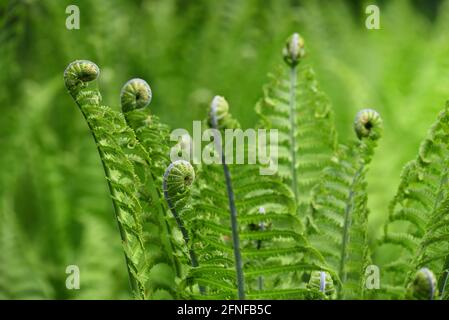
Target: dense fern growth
x,y
22,279
273,251
224,230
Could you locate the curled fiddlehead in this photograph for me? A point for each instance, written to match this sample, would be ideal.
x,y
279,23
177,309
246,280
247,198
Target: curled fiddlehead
x,y
219,116
368,124
135,94
424,286
135,98
178,179
294,50
77,75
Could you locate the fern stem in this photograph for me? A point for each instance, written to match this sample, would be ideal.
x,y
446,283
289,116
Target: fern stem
x,y
293,52
235,233
231,200
259,245
293,80
445,276
347,226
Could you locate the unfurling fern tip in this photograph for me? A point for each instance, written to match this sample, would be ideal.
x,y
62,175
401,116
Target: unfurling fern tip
x,y
135,94
294,50
368,124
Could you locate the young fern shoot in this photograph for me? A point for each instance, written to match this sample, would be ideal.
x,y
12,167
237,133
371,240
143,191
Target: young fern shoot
x,y
322,281
218,112
177,182
423,287
293,52
293,104
178,179
338,211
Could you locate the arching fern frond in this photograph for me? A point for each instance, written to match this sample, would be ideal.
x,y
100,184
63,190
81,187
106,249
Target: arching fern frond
x,y
122,157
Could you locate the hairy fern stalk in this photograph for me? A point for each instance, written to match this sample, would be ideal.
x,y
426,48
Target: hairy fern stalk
x,y
223,231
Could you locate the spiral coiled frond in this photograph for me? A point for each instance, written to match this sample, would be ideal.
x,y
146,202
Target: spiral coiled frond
x,y
294,50
178,179
424,286
78,73
135,94
368,124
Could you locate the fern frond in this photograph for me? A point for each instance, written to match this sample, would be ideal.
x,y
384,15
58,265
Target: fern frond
x,y
415,226
294,105
433,250
152,136
338,210
122,157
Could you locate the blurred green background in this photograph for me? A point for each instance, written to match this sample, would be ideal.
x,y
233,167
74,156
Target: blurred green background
x,y
54,206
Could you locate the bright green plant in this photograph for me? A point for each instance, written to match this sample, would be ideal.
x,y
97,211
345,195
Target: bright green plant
x,y
228,232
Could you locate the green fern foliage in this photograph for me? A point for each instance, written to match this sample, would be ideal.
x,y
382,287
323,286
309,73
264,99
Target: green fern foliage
x,y
416,224
101,276
223,230
20,277
338,210
121,155
274,252
294,104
